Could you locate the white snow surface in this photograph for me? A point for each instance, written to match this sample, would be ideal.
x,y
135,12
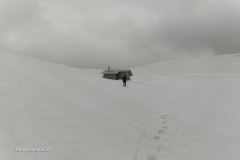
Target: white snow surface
x,y
184,109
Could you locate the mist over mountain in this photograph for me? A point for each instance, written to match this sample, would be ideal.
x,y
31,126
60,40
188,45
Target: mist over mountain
x,y
97,34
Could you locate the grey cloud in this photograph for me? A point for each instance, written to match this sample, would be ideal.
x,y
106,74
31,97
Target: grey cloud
x,y
97,34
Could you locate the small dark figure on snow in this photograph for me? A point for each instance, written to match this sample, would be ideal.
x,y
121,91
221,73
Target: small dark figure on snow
x,y
124,80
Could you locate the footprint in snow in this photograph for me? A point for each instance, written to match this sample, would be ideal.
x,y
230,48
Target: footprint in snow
x,y
156,137
149,157
164,116
160,131
160,147
165,127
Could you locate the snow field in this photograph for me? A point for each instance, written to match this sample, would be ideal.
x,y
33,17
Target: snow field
x,y
183,109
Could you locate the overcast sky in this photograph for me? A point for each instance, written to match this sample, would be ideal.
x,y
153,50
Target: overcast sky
x,y
119,33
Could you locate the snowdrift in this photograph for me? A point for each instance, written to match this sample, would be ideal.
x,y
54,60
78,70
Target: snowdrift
x,y
184,109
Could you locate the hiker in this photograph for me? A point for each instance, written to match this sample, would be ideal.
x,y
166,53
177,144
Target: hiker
x,y
124,80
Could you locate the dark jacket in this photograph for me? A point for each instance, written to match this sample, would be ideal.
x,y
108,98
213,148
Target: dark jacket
x,y
124,78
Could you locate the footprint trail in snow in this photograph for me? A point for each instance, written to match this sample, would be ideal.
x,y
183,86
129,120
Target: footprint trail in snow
x,y
150,142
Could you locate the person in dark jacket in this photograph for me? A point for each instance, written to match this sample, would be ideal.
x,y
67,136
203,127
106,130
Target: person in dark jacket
x,y
124,80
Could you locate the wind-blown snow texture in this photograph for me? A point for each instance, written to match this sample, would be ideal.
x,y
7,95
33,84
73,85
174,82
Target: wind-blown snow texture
x,y
184,109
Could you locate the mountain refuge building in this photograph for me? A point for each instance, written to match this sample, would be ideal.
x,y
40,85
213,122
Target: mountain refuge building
x,y
116,73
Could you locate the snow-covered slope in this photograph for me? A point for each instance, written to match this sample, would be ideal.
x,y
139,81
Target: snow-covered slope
x,y
184,109
225,64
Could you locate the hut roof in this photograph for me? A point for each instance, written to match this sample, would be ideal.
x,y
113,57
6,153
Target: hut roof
x,y
116,71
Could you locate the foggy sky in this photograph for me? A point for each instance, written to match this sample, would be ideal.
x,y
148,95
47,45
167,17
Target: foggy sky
x,y
119,33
